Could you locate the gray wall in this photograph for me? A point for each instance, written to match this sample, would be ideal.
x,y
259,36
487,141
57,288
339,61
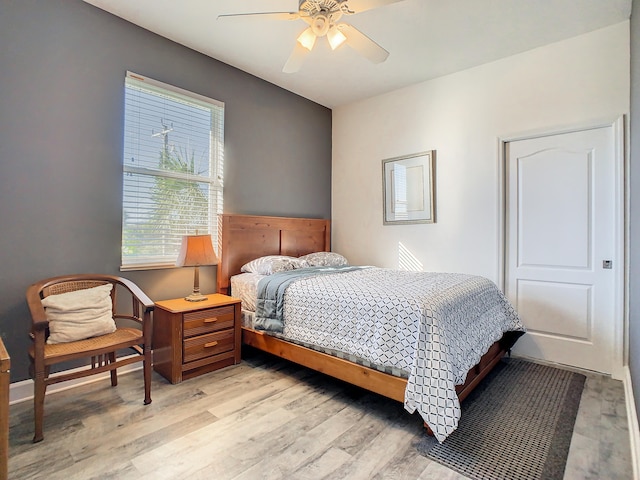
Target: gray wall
x,y
634,208
62,68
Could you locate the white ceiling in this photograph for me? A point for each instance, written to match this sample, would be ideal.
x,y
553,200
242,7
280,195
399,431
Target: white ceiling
x,y
425,38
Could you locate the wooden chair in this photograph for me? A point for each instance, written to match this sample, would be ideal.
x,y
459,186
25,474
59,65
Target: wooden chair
x,y
101,349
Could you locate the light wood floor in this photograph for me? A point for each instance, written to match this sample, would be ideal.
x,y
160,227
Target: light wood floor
x,y
266,419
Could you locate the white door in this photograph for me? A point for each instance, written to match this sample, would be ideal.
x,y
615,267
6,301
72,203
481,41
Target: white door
x,y
560,246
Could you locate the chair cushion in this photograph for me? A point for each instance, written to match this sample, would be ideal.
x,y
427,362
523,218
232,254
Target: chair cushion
x,y
79,314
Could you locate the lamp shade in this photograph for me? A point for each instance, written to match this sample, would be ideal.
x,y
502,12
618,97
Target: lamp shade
x,y
196,250
307,39
335,37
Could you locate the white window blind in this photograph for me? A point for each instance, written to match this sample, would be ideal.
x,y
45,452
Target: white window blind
x,y
172,170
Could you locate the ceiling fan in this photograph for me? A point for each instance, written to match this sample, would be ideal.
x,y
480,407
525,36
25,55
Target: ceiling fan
x,y
322,17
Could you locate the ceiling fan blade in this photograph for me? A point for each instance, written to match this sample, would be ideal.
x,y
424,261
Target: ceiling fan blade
x,y
295,59
357,6
267,15
363,44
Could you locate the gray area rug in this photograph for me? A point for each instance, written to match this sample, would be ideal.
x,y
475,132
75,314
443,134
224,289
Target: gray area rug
x,y
517,424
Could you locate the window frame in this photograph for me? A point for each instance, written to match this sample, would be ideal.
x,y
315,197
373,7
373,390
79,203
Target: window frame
x,y
214,179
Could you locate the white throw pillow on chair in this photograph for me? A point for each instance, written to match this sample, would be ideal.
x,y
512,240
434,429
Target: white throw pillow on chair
x,y
79,314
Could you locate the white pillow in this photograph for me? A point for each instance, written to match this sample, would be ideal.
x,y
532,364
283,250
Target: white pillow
x,y
324,259
272,264
79,314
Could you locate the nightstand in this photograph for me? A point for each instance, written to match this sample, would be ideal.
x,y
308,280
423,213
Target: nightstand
x,y
5,371
192,338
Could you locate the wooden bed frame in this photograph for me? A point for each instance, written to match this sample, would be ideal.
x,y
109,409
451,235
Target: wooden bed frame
x,y
245,237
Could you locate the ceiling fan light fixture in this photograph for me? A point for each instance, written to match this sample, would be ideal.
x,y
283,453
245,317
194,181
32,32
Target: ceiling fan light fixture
x,y
335,37
320,24
322,17
307,39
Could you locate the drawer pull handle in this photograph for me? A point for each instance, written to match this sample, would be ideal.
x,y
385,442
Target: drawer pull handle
x,y
210,344
211,320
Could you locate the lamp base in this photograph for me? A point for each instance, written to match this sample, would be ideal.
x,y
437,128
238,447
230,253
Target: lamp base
x,y
195,297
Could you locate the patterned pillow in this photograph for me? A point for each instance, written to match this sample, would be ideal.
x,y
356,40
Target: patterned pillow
x,y
272,264
324,259
79,314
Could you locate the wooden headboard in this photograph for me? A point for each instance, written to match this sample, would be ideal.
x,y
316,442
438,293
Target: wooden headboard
x,y
245,237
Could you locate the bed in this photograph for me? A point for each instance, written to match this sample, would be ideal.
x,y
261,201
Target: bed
x,y
245,238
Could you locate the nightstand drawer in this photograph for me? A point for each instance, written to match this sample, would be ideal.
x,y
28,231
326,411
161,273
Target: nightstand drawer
x,y
209,320
207,345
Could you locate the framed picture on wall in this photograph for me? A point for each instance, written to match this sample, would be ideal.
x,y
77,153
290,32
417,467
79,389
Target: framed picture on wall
x,y
408,189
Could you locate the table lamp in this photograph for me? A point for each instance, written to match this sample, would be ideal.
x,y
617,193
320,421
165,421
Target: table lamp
x,y
196,250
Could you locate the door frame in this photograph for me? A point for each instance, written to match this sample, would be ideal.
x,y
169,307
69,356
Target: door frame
x,y
621,205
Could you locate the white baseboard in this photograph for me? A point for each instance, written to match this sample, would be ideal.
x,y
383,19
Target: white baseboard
x,y
23,391
632,420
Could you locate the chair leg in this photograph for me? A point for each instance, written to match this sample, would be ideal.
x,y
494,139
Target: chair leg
x,y
146,367
39,391
114,373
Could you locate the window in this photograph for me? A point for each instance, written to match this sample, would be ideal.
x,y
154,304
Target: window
x,y
172,170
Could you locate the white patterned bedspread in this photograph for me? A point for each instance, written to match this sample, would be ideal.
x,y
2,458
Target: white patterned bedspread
x,y
435,326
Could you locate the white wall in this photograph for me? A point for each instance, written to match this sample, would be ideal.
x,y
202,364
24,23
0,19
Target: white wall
x,y
461,116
